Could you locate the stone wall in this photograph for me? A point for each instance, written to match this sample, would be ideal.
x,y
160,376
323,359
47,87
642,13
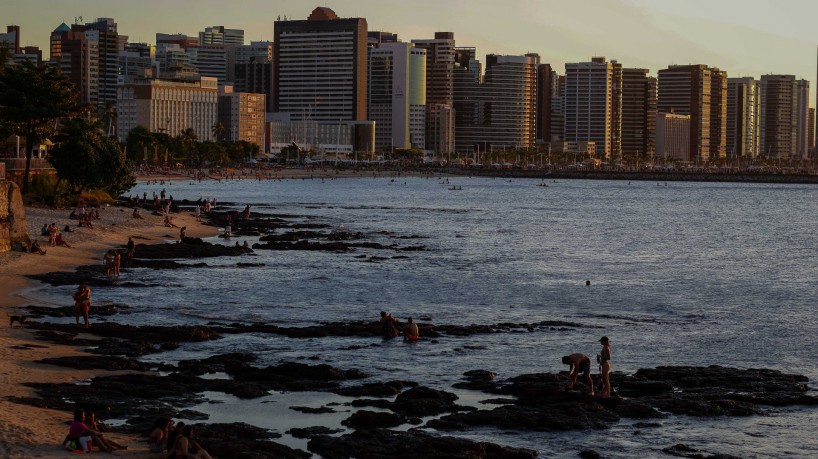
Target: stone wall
x,y
13,225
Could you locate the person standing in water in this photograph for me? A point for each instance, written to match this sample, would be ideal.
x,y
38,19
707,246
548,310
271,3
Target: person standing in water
x,y
82,303
604,358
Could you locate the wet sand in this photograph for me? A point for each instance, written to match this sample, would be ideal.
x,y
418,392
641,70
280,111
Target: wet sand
x,y
26,431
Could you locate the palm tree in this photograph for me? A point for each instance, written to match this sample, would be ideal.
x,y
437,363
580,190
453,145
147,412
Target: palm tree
x,y
189,141
218,130
140,140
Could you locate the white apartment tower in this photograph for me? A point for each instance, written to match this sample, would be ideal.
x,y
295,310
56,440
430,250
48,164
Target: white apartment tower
x,y
743,111
588,98
397,95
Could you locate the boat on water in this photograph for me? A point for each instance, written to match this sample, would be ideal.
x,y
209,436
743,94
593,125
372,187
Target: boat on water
x,y
455,188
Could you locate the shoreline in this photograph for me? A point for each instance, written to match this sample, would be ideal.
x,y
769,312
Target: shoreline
x,y
38,432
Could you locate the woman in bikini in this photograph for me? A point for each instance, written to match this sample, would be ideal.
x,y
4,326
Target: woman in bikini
x,y
605,366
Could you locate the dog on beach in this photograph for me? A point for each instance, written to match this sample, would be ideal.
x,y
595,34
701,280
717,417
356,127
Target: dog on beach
x,y
20,319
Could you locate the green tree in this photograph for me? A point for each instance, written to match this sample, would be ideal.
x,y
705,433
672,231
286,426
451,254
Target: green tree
x,y
32,99
140,139
87,159
218,131
187,144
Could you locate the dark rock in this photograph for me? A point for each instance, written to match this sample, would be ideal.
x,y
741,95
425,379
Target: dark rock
x,y
589,454
551,417
424,401
188,250
308,432
681,450
375,403
243,441
92,362
309,410
364,420
380,443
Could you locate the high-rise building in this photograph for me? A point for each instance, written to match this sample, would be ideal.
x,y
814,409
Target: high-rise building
x,y
77,57
210,61
11,38
544,98
182,40
502,109
440,114
743,110
256,76
693,90
104,31
320,67
588,104
673,136
168,106
557,107
637,113
811,122
779,116
802,119
397,95
256,51
243,116
218,35
137,59
32,54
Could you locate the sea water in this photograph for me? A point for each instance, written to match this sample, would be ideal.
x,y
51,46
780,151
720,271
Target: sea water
x,y
681,274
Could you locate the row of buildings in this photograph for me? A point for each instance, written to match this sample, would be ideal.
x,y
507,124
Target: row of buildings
x,y
329,84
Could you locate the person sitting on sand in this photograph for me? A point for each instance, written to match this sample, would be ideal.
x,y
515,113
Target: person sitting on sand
x,y
35,248
182,233
389,329
80,429
410,331
67,229
61,241
169,222
186,447
579,363
158,438
136,214
82,303
44,230
100,440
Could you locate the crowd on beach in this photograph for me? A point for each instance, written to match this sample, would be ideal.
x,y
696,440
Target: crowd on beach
x,y
54,235
176,441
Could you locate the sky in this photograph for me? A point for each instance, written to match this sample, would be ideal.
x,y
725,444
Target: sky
x,y
743,37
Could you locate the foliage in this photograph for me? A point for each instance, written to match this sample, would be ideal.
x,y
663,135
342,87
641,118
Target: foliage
x,y
32,99
140,139
87,159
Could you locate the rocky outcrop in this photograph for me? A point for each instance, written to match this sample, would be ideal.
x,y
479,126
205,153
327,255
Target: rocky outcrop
x,y
13,226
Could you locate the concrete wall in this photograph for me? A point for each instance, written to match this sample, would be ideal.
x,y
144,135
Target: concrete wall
x,y
13,226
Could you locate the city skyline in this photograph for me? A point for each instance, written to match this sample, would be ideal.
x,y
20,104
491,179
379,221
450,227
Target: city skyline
x,y
745,38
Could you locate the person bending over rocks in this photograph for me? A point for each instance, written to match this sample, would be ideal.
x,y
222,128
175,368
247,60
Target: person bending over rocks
x,y
579,363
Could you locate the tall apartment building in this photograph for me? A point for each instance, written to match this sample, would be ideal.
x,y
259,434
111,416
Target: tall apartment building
x,y
77,57
256,76
210,61
701,92
255,51
110,43
168,106
440,114
545,74
588,104
811,130
219,35
673,136
637,113
11,38
397,95
802,117
557,107
743,110
243,116
137,59
320,67
779,116
502,109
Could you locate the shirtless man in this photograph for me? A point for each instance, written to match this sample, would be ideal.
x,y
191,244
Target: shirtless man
x,y
579,363
82,303
410,331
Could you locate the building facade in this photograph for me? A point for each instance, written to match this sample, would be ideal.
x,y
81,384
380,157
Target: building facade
x,y
637,113
243,116
338,139
168,106
440,114
673,137
320,68
109,44
802,117
588,104
77,57
779,116
210,61
256,76
693,90
743,110
219,35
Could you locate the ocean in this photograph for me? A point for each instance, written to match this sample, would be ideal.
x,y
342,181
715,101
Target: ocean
x,y
681,274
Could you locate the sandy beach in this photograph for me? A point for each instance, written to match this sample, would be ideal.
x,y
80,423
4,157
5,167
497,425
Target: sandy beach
x,y
28,432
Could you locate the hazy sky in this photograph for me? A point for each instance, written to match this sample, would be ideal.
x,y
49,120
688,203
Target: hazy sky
x,y
744,37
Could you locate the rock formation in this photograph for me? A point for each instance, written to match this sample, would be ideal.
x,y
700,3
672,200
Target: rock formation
x,y
13,226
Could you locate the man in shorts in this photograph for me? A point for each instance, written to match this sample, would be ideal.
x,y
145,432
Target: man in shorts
x,y
579,363
82,303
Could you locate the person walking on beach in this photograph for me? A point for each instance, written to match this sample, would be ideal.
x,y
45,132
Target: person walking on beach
x,y
131,248
117,262
82,303
579,363
604,359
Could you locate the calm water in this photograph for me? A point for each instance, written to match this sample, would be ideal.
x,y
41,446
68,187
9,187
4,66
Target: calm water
x,y
688,273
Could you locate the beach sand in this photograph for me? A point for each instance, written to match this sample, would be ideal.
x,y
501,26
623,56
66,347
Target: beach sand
x,y
29,432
